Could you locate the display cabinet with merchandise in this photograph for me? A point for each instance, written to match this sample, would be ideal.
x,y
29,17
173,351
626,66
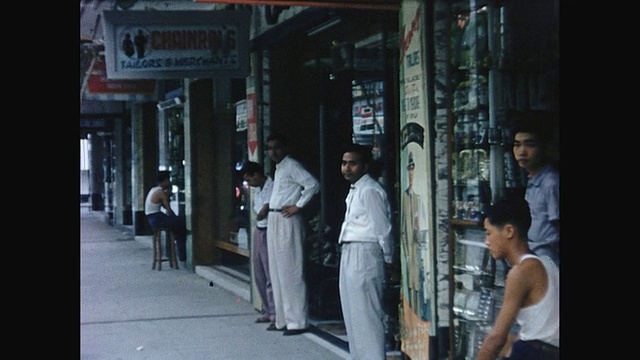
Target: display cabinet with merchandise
x,y
493,77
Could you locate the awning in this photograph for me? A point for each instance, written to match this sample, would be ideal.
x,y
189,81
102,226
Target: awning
x,y
345,4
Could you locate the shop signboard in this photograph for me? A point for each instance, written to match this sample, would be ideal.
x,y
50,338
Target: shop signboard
x,y
101,88
176,44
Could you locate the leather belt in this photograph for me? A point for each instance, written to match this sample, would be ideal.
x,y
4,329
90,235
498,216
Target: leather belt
x,y
261,228
275,210
542,346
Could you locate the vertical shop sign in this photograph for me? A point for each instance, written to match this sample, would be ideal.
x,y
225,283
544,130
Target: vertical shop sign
x,y
252,121
241,115
415,246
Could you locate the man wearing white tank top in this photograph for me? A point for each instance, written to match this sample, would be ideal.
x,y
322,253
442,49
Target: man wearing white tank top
x,y
157,199
532,287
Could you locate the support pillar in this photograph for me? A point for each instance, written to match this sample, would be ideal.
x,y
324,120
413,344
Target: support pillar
x,y
122,181
144,161
96,182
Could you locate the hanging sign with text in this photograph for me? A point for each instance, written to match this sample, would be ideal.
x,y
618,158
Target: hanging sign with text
x,y
101,88
176,44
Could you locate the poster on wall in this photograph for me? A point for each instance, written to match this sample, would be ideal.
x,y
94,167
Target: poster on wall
x,y
416,248
252,120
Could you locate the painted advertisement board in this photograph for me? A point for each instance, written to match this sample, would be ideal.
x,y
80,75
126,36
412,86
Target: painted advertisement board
x,y
417,295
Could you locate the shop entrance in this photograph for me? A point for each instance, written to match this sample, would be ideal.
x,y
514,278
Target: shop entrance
x,y
354,108
341,90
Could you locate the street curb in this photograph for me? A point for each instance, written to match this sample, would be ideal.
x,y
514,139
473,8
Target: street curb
x,y
224,280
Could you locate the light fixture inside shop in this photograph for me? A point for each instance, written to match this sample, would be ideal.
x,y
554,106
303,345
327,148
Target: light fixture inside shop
x,y
168,104
324,26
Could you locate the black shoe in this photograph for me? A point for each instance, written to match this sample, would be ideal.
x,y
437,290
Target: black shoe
x,y
263,319
294,332
272,327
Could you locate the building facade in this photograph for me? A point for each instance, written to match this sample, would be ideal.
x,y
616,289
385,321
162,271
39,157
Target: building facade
x,y
428,84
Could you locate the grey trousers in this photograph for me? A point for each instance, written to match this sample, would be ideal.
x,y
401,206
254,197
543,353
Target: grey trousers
x,y
361,284
261,272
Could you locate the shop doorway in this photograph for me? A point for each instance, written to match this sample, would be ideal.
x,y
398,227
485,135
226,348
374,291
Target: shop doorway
x,y
332,84
337,93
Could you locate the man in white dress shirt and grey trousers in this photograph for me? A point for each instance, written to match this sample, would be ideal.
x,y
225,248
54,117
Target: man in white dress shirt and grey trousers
x,y
293,188
366,238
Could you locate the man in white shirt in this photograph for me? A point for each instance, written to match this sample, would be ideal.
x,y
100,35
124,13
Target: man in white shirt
x,y
293,188
253,174
366,240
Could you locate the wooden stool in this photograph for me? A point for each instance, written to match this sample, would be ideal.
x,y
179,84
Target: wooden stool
x,y
157,248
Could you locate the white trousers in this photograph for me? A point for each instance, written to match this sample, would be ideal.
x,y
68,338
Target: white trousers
x,y
285,239
361,279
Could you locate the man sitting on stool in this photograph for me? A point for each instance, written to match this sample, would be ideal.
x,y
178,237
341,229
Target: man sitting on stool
x,y
157,198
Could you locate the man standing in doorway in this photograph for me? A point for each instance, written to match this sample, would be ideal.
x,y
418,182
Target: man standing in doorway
x,y
366,240
293,188
253,174
531,149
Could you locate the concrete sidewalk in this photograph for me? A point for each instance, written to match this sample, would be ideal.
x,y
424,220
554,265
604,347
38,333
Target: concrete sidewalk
x,y
128,311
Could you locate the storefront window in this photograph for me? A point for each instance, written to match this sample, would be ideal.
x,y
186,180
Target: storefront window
x,y
368,114
175,157
503,65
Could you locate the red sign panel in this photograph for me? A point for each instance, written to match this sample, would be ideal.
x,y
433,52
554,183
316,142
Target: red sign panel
x,y
252,127
99,84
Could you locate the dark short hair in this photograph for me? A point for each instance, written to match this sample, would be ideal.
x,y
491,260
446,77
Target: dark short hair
x,y
512,210
279,137
536,122
250,168
363,150
163,175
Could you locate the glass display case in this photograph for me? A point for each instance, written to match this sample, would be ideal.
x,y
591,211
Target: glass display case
x,y
476,175
495,74
175,138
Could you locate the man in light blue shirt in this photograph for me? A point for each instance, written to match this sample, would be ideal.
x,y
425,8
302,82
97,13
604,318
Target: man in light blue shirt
x,y
531,146
366,240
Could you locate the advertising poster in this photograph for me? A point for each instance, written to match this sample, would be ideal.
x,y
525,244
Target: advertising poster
x,y
415,246
252,120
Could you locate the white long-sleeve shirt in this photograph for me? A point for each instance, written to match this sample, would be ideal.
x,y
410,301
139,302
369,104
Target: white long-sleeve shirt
x,y
261,197
292,185
368,216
